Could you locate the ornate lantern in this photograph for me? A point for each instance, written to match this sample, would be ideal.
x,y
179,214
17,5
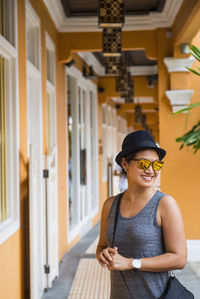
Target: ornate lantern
x,y
112,41
112,65
138,114
111,13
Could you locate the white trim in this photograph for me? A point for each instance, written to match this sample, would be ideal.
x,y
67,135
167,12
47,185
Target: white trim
x,y
56,12
10,53
33,20
8,229
82,226
193,247
178,64
6,48
31,14
180,98
90,59
50,46
49,43
151,21
137,100
144,70
34,71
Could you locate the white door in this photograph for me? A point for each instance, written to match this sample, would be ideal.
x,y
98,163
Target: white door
x,y
52,218
37,212
33,228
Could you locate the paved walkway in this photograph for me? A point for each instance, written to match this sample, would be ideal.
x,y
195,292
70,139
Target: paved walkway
x,y
81,277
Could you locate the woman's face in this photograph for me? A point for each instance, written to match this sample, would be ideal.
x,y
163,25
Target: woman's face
x,y
141,177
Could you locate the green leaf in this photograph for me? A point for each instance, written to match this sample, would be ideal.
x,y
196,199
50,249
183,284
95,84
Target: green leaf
x,y
187,108
193,71
191,138
195,50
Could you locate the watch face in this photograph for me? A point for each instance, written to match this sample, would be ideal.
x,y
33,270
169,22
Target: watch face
x,y
136,263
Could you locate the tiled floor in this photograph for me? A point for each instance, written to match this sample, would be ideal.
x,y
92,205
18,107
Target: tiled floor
x,y
81,277
69,264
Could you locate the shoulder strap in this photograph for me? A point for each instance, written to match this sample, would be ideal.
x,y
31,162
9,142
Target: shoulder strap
x,y
115,226
116,215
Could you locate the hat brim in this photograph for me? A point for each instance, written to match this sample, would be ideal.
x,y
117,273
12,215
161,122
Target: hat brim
x,y
161,152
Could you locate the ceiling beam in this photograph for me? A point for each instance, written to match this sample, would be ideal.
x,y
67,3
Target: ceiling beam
x,y
145,106
66,7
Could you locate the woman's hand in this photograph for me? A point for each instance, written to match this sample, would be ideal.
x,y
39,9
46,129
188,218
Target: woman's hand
x,y
120,263
106,256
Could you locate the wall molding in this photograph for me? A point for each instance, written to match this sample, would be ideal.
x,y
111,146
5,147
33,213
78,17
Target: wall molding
x,y
151,21
178,64
179,99
90,59
193,250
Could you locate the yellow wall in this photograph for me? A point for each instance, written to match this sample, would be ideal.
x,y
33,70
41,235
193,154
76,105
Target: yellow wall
x,y
10,268
180,175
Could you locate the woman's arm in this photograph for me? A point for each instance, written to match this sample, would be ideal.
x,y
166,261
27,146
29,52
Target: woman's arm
x,y
103,252
170,219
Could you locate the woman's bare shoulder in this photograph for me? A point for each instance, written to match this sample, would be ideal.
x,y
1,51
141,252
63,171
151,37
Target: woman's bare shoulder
x,y
168,206
168,201
108,203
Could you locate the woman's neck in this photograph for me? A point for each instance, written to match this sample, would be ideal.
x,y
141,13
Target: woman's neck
x,y
135,193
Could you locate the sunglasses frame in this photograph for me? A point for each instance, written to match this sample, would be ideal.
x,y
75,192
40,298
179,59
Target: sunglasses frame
x,y
151,163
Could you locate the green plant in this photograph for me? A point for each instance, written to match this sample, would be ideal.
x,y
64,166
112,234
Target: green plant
x,y
192,137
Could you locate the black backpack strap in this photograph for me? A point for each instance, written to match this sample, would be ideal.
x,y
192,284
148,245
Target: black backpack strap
x,y
115,227
116,215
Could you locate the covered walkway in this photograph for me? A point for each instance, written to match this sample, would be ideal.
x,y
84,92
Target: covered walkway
x,y
82,278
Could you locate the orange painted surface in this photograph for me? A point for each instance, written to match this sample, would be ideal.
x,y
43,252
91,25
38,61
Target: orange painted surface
x,y
179,80
10,268
180,174
62,163
92,41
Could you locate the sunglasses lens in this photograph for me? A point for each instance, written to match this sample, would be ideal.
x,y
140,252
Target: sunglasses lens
x,y
144,164
157,165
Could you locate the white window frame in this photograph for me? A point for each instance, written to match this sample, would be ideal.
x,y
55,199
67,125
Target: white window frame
x,y
10,53
78,81
104,141
50,46
34,21
51,87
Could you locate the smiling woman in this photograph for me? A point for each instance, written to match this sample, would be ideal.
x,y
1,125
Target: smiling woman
x,y
139,227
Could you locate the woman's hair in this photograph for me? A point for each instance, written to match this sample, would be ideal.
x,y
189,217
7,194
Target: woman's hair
x,y
128,159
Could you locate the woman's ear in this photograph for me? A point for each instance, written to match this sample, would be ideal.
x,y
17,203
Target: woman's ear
x,y
124,163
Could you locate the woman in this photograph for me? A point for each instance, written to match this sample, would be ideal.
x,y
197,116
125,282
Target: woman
x,y
149,239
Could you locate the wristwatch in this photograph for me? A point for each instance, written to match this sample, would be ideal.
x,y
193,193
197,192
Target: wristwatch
x,y
136,264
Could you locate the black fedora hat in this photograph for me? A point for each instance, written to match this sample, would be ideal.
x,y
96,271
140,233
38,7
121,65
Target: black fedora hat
x,y
136,141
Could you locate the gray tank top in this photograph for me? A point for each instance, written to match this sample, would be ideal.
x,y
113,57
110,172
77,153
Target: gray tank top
x,y
139,237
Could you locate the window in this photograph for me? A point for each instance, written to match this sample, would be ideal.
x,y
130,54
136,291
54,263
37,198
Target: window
x,y
8,20
9,124
82,152
108,137
122,131
32,36
51,97
104,142
50,60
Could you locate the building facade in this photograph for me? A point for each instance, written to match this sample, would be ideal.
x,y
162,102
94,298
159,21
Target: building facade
x,y
60,130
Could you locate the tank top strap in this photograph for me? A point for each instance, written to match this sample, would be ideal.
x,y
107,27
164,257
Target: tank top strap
x,y
153,205
114,205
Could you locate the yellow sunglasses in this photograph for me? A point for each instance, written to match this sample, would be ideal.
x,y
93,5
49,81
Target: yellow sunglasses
x,y
145,164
